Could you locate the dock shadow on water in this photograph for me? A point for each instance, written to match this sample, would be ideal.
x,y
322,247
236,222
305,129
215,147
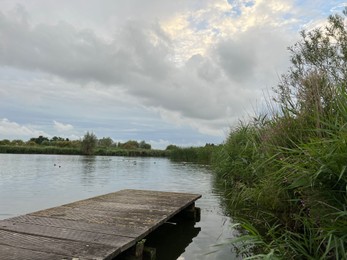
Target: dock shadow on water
x,y
170,240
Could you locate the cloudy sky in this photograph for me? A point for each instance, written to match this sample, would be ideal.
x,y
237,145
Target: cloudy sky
x,y
168,72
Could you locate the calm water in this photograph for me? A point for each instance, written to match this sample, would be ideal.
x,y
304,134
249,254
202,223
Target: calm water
x,y
33,182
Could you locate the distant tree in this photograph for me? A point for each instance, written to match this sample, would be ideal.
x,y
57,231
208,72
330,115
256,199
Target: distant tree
x,y
63,143
131,144
46,143
144,145
39,139
5,142
171,147
89,143
17,142
75,143
105,142
31,143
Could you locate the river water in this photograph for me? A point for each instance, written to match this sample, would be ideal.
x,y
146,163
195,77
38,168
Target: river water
x,y
33,182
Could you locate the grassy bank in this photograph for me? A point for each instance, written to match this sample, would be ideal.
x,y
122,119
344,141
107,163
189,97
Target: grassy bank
x,y
77,151
88,145
285,174
39,150
132,152
202,155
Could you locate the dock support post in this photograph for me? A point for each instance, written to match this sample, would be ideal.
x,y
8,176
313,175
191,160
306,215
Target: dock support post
x,y
190,213
135,252
139,248
149,253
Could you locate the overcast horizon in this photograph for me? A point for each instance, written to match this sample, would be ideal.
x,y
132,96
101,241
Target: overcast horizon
x,y
167,72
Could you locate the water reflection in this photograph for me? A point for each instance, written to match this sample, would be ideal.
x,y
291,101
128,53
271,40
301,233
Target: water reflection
x,y
220,188
171,239
88,163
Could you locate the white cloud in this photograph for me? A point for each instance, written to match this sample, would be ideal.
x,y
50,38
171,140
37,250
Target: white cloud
x,y
60,127
11,130
159,144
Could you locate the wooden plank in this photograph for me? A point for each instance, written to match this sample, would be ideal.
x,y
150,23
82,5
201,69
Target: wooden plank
x,y
67,248
120,230
121,206
101,217
172,199
66,233
15,253
97,210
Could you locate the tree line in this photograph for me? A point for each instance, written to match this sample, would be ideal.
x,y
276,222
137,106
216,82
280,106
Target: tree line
x,y
88,145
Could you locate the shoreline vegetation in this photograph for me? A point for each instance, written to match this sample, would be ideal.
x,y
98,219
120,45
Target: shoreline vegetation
x,y
89,145
77,151
284,173
200,155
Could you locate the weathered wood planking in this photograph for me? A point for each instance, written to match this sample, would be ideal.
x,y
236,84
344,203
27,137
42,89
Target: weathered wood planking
x,y
95,228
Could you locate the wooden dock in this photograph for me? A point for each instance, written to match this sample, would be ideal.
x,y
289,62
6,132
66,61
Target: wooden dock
x,y
97,228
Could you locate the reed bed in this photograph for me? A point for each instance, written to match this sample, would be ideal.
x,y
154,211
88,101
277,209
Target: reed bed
x,y
284,174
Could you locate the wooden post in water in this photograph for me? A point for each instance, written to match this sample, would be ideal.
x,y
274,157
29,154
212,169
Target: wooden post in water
x,y
135,252
191,213
149,253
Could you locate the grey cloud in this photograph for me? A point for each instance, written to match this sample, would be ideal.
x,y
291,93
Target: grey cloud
x,y
191,96
81,55
149,59
130,60
255,56
58,49
237,59
96,13
204,68
136,59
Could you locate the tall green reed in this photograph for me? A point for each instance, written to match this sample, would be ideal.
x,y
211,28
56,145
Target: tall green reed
x,y
287,174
